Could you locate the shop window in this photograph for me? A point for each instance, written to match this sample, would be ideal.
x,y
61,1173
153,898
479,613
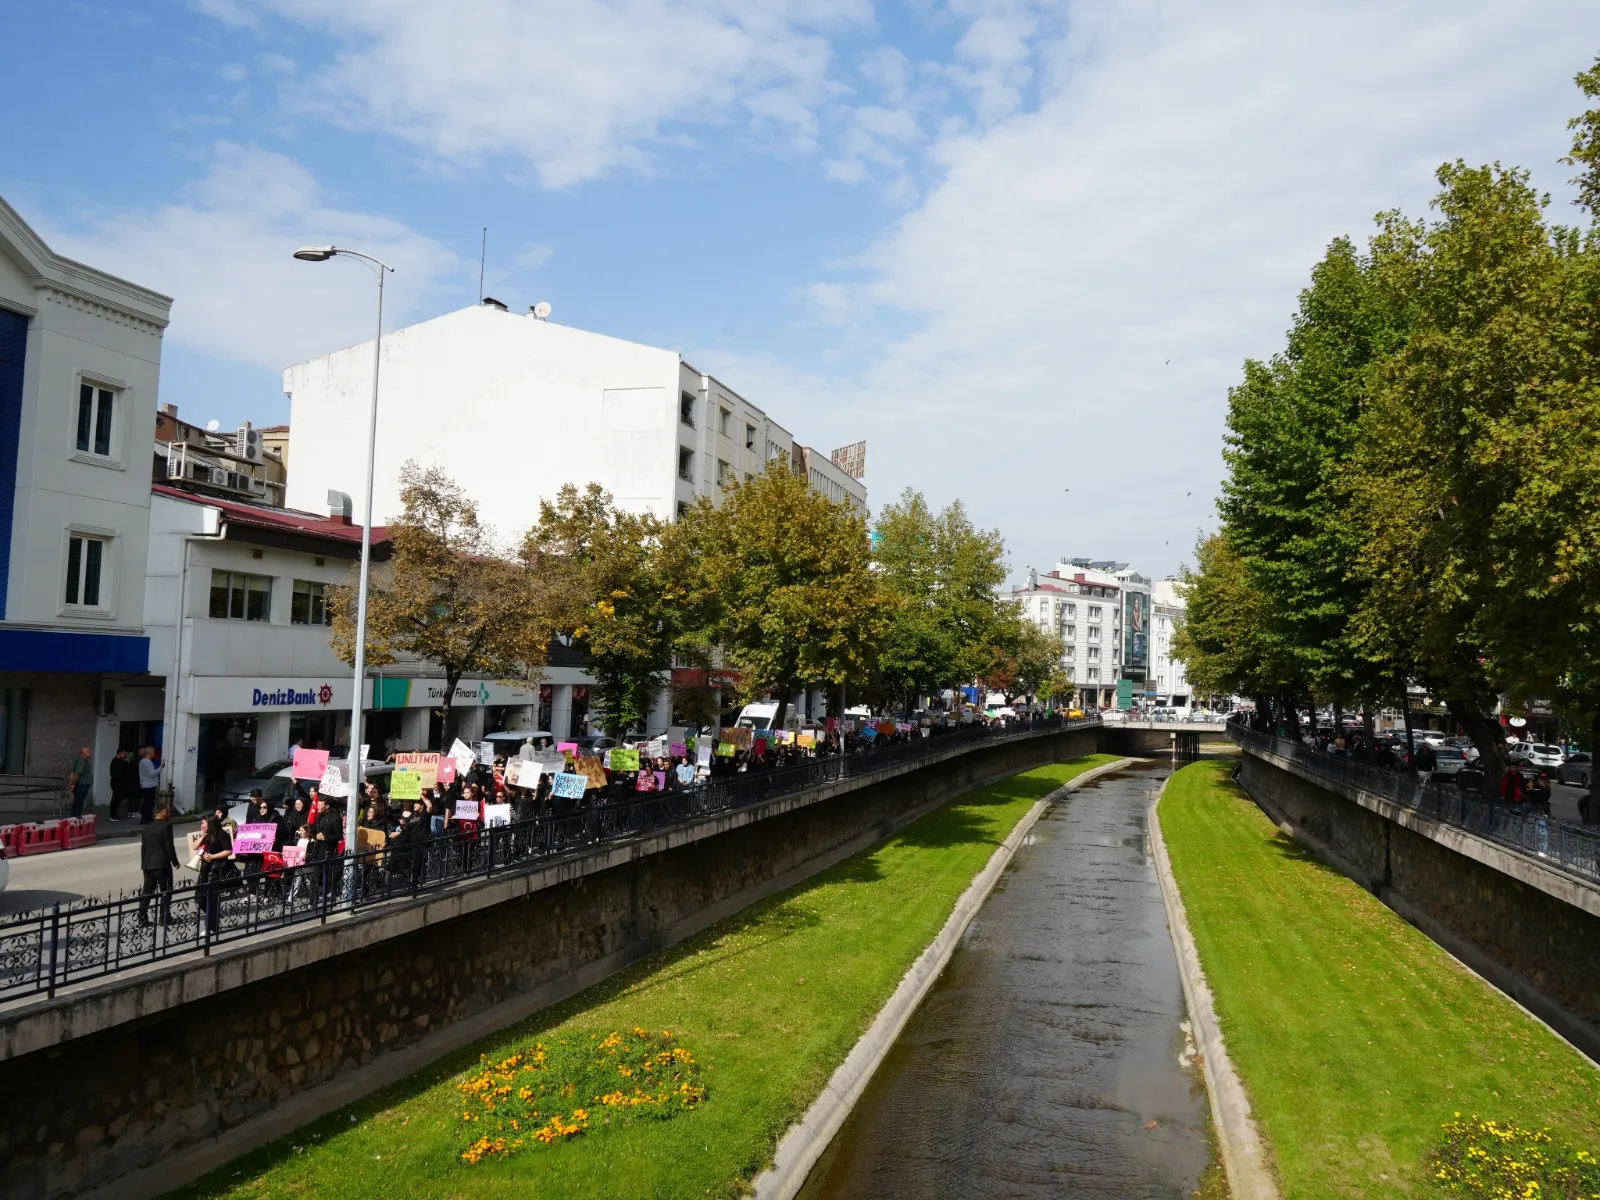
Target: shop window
x,y
240,597
309,604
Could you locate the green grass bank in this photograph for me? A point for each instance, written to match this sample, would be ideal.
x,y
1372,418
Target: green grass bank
x,y
769,1002
1355,1035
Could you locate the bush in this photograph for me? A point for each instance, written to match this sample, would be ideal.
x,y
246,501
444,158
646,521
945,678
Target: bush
x,y
553,1091
1499,1160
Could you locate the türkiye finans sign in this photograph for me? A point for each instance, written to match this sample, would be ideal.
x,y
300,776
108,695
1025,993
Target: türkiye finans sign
x,y
289,697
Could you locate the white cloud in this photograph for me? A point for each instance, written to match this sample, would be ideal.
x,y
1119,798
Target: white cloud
x,y
574,87
223,252
1183,168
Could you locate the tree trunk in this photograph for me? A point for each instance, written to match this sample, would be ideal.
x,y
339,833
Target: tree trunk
x,y
1291,717
783,707
451,678
1490,740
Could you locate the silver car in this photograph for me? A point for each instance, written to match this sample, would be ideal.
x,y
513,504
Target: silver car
x,y
1447,760
1577,769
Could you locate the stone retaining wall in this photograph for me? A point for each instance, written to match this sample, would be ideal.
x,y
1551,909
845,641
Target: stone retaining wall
x,y
133,1102
1530,929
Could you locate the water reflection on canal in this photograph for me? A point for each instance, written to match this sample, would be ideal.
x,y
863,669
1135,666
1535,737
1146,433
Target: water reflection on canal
x,y
1045,1061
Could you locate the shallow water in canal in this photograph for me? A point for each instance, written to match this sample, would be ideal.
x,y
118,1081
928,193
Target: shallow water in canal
x,y
1045,1062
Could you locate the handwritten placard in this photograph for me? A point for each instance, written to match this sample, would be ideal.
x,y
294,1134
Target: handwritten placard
x,y
805,739
447,772
702,754
426,765
255,839
569,785
678,750
335,781
466,810
370,840
309,764
593,769
567,747
405,785
294,856
625,758
725,749
486,753
463,756
496,814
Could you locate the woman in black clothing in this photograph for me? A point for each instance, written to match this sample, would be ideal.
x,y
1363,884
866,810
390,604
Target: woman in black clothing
x,y
216,869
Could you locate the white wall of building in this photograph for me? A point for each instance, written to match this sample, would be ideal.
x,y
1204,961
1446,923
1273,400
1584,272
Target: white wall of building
x,y
538,405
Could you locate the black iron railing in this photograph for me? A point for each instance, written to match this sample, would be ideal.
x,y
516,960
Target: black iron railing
x,y
49,949
1571,848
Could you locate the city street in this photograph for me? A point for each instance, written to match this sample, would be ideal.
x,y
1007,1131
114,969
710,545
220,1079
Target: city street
x,y
101,870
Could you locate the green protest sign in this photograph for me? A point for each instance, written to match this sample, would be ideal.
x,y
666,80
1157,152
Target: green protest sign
x,y
624,759
405,785
725,749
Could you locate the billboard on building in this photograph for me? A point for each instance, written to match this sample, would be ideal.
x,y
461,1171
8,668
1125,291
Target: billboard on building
x,y
851,459
1135,634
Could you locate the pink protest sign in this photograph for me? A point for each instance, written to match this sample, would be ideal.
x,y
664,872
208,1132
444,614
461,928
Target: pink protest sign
x,y
254,839
678,749
309,764
447,772
566,747
294,856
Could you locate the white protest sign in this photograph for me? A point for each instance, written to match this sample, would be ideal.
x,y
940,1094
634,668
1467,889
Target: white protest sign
x,y
496,814
465,758
486,753
466,810
335,780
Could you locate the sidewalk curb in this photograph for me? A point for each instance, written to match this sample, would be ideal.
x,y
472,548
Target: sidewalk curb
x,y
1243,1153
805,1141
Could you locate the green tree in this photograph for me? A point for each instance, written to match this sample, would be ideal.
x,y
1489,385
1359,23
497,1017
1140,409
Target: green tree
x,y
780,579
618,611
448,595
942,572
1023,658
1586,142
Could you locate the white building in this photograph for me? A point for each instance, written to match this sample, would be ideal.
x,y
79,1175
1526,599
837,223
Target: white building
x,y
1101,610
80,359
1168,678
516,407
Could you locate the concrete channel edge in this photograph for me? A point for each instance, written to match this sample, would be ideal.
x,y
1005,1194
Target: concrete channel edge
x,y
805,1141
1243,1151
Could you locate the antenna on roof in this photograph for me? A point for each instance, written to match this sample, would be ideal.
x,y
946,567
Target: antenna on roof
x,y
483,256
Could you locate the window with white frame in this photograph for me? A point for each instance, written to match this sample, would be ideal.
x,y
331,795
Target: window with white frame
x,y
1094,674
1072,610
308,604
236,596
1094,652
1094,612
86,563
96,410
725,422
686,463
1094,633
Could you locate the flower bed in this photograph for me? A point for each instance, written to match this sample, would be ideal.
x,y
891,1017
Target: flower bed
x,y
554,1090
1500,1160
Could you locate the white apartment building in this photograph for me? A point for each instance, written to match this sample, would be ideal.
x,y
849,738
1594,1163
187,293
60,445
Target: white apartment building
x,y
515,407
1102,612
1168,679
80,359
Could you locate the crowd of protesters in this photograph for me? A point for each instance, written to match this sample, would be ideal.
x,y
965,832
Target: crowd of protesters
x,y
397,840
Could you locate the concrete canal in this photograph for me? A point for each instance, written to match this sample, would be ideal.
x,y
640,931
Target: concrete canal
x,y
1047,1060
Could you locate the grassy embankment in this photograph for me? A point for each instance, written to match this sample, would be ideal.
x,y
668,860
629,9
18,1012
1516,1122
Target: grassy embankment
x,y
769,1002
1355,1035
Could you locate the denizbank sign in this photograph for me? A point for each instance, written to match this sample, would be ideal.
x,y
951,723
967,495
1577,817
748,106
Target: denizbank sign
x,y
237,696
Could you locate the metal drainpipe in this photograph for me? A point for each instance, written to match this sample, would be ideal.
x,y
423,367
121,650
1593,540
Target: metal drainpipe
x,y
175,681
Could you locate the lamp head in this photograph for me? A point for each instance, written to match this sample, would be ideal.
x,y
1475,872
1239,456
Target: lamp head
x,y
315,253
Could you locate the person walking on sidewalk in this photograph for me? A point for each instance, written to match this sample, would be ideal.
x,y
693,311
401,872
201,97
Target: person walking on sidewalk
x,y
124,784
158,855
149,781
79,778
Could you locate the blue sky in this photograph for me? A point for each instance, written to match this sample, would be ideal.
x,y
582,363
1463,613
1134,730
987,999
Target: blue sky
x,y
1021,247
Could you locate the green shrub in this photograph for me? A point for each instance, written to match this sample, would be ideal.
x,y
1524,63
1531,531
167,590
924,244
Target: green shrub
x,y
1500,1160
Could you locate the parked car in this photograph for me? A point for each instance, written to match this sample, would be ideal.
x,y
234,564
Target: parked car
x,y
1113,716
1577,769
1547,758
1517,752
1447,760
1464,745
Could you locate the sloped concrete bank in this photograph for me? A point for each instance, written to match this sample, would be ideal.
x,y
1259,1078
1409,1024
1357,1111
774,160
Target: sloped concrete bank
x,y
140,1084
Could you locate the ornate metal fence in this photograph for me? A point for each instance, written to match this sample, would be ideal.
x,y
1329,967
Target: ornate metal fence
x,y
1571,848
48,949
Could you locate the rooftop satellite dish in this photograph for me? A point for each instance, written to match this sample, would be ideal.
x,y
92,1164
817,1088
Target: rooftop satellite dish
x,y
213,426
542,310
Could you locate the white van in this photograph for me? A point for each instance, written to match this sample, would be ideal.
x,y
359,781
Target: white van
x,y
760,716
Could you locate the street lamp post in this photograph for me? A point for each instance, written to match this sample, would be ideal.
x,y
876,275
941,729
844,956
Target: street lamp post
x,y
352,806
